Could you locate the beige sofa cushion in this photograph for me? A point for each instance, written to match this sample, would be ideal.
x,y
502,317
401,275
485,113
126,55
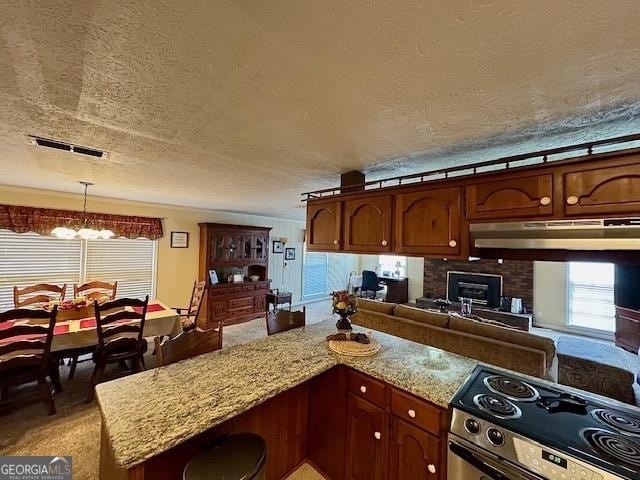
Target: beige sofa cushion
x,y
512,356
373,306
504,334
423,316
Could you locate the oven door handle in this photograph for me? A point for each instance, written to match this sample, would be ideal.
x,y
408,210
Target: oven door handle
x,y
493,473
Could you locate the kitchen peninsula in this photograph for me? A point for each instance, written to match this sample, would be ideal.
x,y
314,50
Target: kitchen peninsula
x,y
153,422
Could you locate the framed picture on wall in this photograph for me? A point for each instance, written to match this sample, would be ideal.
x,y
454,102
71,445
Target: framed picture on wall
x,y
277,246
179,239
289,253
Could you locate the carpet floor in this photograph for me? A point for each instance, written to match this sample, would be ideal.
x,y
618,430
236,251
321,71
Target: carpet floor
x,y
75,429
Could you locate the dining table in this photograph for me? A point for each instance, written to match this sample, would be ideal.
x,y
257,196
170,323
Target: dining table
x,y
81,332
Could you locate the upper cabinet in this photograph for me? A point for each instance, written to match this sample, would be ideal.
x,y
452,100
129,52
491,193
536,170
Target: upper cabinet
x,y
367,224
594,190
324,223
429,222
516,197
431,219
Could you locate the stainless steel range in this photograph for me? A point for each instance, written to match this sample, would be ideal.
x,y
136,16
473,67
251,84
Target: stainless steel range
x,y
507,428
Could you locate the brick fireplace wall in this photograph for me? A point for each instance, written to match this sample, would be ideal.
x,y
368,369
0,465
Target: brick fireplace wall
x,y
517,276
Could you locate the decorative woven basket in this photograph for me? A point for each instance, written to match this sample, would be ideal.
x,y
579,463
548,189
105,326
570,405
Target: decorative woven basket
x,y
354,349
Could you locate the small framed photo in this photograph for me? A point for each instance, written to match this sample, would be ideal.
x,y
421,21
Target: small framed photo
x,y
289,253
277,246
213,277
179,239
237,278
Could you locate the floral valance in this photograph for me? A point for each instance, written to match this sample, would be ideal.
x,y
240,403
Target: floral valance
x,y
42,220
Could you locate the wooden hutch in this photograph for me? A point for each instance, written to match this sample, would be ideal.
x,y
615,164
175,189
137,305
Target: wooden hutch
x,y
234,250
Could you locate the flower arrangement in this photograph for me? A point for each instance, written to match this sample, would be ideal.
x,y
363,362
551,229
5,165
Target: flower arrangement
x,y
344,304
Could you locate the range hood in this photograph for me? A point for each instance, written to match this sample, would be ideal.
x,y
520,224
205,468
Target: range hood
x,y
584,235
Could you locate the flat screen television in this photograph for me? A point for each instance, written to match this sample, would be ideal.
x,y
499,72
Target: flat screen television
x,y
627,286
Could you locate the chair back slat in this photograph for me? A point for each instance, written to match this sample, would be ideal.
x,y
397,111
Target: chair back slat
x,y
23,329
110,331
96,290
121,315
187,345
38,295
105,325
34,345
283,320
18,351
124,302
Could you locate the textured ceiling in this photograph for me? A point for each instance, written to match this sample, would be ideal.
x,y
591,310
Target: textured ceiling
x,y
241,105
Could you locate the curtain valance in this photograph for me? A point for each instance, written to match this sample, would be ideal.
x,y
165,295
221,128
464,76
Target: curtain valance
x,y
21,219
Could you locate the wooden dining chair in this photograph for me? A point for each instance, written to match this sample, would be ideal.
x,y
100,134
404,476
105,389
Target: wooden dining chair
x,y
187,344
189,315
283,320
35,296
96,290
120,336
25,353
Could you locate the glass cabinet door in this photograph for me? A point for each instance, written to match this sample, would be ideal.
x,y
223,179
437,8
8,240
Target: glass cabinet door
x,y
219,248
260,247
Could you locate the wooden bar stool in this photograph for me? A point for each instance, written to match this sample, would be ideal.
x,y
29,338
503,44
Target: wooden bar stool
x,y
240,456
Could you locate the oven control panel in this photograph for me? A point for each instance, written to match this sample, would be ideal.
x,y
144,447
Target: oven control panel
x,y
550,464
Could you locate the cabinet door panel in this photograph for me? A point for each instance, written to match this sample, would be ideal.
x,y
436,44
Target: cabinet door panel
x,y
219,310
510,198
324,222
429,222
602,190
367,224
414,453
366,440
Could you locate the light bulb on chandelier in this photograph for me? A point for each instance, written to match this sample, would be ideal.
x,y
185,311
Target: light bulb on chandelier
x,y
84,230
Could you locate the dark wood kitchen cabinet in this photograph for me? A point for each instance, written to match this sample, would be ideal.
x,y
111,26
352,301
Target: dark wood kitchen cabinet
x,y
324,226
367,438
367,224
612,189
510,197
429,222
413,453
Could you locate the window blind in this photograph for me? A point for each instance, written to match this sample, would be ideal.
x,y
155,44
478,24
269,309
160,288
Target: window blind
x,y
339,268
29,258
129,262
590,292
315,274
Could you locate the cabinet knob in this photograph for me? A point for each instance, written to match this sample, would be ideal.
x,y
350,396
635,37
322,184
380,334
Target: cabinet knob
x,y
544,201
384,243
453,243
335,242
363,389
432,468
378,435
572,200
412,413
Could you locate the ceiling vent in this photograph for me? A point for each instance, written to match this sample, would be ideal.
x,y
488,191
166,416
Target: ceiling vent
x,y
69,147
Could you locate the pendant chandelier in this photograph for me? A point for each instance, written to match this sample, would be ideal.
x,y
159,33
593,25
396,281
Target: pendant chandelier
x,y
83,230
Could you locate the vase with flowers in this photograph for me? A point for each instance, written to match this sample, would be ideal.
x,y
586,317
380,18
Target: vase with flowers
x,y
344,304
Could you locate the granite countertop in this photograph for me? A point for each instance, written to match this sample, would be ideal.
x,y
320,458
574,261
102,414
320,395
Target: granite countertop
x,y
150,412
